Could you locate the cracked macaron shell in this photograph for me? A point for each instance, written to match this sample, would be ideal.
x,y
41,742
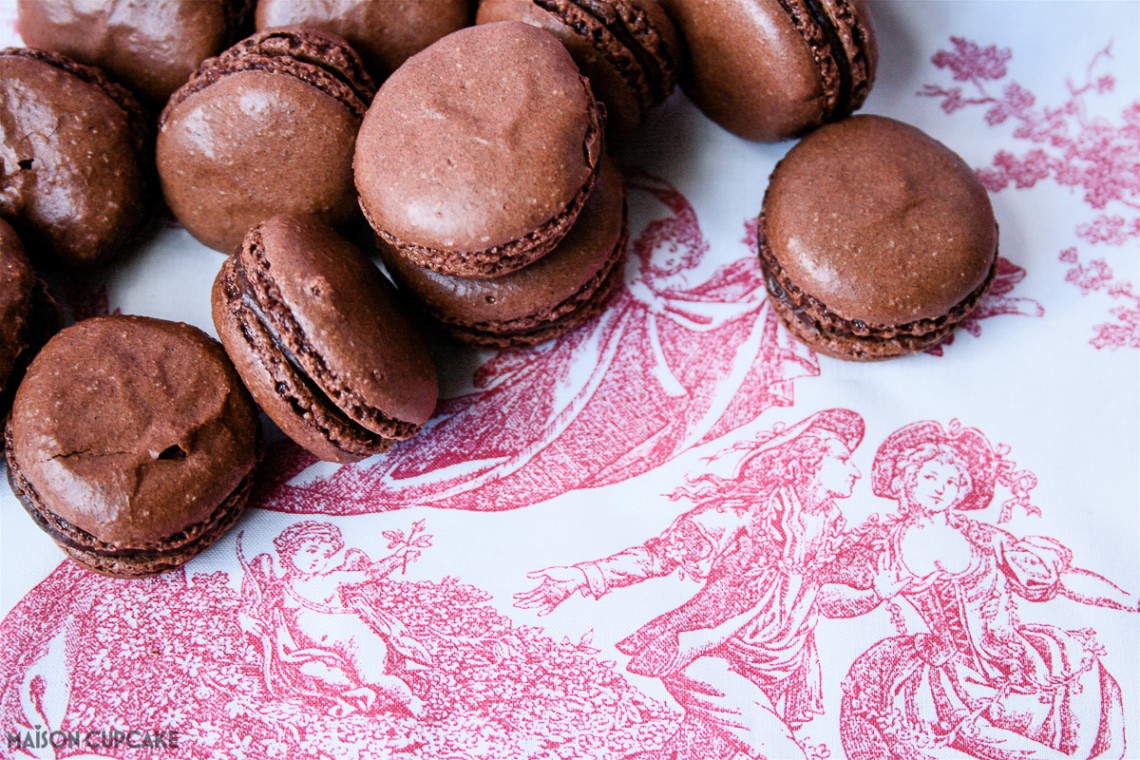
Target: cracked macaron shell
x,y
359,369
267,127
75,158
132,429
628,49
767,70
880,223
151,47
478,153
385,34
548,291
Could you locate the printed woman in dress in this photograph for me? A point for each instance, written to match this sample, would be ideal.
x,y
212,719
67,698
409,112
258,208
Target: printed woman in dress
x,y
320,636
979,682
739,657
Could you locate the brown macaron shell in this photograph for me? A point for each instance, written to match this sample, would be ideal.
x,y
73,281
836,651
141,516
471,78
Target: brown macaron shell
x,y
877,240
539,302
132,442
628,49
385,34
321,340
28,313
152,47
267,127
478,154
767,70
78,165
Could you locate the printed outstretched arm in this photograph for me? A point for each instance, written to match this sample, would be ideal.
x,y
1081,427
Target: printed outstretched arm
x,y
1087,587
559,583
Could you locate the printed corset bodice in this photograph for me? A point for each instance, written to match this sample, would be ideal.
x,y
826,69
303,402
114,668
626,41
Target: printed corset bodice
x,y
971,610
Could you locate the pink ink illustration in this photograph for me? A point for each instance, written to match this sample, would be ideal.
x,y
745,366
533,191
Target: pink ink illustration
x,y
676,360
317,650
977,682
740,657
1089,154
318,633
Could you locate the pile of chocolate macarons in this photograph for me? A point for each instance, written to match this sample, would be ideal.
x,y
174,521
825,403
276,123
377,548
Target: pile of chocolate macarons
x,y
471,137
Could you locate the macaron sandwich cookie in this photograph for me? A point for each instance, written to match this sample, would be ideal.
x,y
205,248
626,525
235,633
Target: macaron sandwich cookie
x,y
153,48
876,239
132,442
321,340
767,70
628,49
28,313
385,34
75,157
539,302
265,128
478,154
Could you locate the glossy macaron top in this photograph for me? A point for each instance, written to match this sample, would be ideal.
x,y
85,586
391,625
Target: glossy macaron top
x,y
77,165
152,47
537,290
478,153
771,69
132,429
628,49
879,222
266,127
385,34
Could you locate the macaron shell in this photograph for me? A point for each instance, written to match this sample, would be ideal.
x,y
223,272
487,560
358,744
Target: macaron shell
x,y
350,331
251,145
752,71
880,222
385,34
591,247
75,155
152,47
616,70
132,429
478,141
17,286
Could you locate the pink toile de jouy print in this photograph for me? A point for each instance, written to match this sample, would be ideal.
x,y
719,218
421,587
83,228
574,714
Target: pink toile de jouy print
x,y
1095,156
675,533
676,360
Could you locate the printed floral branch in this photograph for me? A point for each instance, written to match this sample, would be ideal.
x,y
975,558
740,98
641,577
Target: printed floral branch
x,y
410,545
1073,149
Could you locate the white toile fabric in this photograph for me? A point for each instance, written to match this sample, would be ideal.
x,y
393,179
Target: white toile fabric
x,y
675,532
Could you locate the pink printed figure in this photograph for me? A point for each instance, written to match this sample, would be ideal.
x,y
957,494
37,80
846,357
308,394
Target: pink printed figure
x,y
978,682
1070,145
740,657
677,359
318,635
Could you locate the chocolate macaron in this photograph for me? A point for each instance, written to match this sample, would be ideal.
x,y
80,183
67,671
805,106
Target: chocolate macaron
x,y
876,239
28,313
539,302
153,48
628,49
132,443
384,33
478,154
771,69
75,157
322,341
265,128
